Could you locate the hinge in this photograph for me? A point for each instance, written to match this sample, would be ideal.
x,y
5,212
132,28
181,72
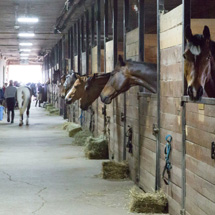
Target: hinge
x,y
155,129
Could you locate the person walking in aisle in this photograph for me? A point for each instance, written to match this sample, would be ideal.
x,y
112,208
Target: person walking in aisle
x,y
10,94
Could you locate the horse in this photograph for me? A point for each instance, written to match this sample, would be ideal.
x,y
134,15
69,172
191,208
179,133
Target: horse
x,y
199,64
68,83
128,74
23,96
77,89
93,87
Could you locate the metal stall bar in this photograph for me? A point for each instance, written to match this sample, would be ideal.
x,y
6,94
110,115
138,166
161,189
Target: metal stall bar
x,y
185,22
115,32
92,34
71,49
160,8
79,46
69,43
105,54
98,31
125,27
105,30
82,41
63,54
87,41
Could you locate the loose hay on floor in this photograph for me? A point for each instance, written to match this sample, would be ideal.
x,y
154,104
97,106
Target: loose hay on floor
x,y
81,137
73,129
115,170
96,148
54,111
142,202
65,125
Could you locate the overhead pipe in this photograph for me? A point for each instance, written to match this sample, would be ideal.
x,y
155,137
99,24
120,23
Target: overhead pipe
x,y
69,8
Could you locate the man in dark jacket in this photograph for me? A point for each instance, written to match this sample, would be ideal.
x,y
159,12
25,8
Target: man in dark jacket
x,y
9,95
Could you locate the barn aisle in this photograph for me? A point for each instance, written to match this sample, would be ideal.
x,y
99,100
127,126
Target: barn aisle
x,y
42,173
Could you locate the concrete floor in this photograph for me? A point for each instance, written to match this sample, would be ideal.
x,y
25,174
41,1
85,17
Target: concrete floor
x,y
42,173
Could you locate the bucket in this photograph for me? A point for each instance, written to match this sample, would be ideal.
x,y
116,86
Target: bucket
x,y
1,112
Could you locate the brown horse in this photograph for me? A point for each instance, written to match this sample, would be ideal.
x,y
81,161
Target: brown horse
x,y
199,66
77,89
128,74
93,87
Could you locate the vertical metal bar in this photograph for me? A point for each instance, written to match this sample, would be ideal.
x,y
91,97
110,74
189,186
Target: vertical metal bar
x,y
72,48
185,22
79,46
63,54
87,42
160,7
98,31
69,43
82,33
92,26
125,27
115,33
92,34
141,25
105,31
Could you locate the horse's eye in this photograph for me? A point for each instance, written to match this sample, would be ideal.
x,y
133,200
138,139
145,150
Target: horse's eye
x,y
184,56
209,57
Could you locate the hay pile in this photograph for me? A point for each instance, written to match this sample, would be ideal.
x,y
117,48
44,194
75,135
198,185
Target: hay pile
x,y
81,137
54,111
115,170
65,125
73,129
96,148
48,106
147,202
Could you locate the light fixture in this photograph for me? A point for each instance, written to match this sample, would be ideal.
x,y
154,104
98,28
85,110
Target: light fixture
x,y
24,54
28,19
26,34
25,50
25,44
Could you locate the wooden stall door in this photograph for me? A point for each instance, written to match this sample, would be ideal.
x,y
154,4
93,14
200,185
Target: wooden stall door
x,y
170,97
200,133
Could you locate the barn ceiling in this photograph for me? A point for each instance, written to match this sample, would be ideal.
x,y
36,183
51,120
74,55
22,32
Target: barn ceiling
x,y
46,10
51,14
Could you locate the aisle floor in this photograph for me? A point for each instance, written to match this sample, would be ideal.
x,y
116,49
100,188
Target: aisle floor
x,y
42,173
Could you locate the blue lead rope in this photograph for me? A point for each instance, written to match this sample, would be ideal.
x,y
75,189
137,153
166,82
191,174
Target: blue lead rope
x,y
81,117
168,165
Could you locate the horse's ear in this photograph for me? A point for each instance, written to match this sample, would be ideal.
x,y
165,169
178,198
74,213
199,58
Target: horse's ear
x,y
121,62
206,33
188,33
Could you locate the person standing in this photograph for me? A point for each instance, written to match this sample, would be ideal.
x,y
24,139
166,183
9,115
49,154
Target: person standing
x,y
10,93
39,94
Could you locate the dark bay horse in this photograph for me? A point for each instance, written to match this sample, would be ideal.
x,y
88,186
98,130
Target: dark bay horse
x,y
199,64
128,74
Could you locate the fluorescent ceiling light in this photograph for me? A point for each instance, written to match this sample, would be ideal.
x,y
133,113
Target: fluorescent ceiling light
x,y
25,50
25,44
24,54
26,34
28,19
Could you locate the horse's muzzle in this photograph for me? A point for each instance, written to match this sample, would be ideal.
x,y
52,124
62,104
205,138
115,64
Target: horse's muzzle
x,y
106,99
197,95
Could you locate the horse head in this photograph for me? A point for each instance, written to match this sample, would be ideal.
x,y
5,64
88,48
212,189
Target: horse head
x,y
198,61
93,87
117,83
68,83
77,89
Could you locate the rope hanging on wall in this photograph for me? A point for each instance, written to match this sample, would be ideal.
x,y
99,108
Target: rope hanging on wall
x,y
168,165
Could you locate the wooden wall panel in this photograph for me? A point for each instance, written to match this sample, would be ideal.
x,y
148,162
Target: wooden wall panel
x,y
171,92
